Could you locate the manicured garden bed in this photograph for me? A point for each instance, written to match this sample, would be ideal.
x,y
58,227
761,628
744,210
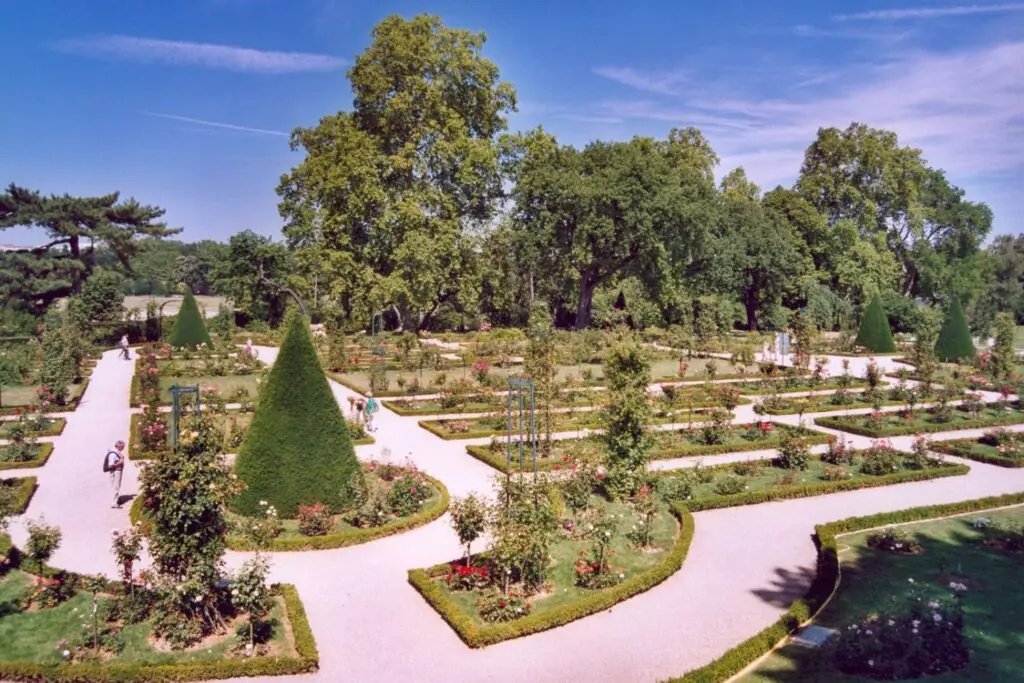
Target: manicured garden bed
x,y
791,386
825,583
952,553
474,405
668,444
51,638
821,404
633,570
881,425
23,488
999,447
562,422
24,397
41,453
51,426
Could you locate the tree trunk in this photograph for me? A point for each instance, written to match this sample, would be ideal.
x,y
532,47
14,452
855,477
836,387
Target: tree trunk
x,y
588,283
751,315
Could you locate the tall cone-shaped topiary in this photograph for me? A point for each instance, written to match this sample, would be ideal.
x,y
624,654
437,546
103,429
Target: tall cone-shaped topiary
x,y
955,343
874,334
297,451
189,327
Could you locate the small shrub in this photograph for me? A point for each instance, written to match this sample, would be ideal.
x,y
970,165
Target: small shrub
x,y
678,487
893,540
784,480
314,520
43,540
730,484
748,468
881,458
717,431
407,494
839,452
498,607
793,454
462,576
838,473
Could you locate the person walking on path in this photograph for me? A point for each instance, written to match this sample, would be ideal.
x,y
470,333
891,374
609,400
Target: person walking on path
x,y
124,347
250,350
371,409
360,408
113,464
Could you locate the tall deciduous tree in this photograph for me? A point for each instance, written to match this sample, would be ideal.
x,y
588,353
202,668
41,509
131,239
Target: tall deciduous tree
x,y
388,193
614,209
75,229
254,275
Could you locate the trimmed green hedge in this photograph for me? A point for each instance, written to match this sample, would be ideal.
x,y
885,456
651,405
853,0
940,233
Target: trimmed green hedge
x,y
955,343
474,635
874,333
26,488
297,450
308,660
826,407
826,583
957,448
347,538
45,451
842,424
398,409
830,384
189,329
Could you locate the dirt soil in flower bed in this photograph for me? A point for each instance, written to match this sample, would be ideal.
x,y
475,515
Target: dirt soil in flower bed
x,y
626,561
871,579
922,421
668,445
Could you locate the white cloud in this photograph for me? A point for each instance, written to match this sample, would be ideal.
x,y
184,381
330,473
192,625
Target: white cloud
x,y
217,124
232,58
931,12
663,82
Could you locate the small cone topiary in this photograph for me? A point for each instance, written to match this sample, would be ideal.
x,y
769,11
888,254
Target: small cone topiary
x,y
955,343
297,451
189,327
874,333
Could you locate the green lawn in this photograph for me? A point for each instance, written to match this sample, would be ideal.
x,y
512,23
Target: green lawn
x,y
872,580
51,426
923,421
227,385
984,449
821,404
1018,337
26,396
564,553
32,636
791,386
561,422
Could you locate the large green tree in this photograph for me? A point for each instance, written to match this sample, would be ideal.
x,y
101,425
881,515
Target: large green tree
x,y
388,194
75,229
613,209
255,274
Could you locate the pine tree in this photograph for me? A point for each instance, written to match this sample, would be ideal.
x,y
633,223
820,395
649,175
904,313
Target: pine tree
x,y
955,343
189,328
874,333
297,451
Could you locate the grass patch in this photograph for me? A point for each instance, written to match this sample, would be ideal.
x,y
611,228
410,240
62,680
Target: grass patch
x,y
922,421
52,426
984,449
952,552
42,451
16,399
561,422
24,489
785,385
820,404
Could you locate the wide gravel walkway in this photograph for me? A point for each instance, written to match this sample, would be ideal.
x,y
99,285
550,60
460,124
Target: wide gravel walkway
x,y
744,568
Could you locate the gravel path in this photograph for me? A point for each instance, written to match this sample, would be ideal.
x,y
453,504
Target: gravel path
x,y
744,568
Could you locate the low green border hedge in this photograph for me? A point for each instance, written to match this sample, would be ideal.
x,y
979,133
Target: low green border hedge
x,y
954,448
832,408
497,460
69,407
26,489
307,661
56,429
423,580
393,406
826,582
826,385
341,540
45,451
840,423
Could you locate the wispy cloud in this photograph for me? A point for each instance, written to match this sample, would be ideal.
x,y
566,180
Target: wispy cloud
x,y
808,31
663,82
216,124
182,53
930,12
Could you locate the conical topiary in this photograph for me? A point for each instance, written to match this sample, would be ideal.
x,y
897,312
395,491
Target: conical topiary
x,y
874,334
955,343
189,328
297,451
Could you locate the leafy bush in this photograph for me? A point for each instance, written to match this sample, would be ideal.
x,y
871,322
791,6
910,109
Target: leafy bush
x,y
314,520
955,343
881,458
43,540
497,607
189,329
793,454
407,495
839,452
297,450
874,333
730,484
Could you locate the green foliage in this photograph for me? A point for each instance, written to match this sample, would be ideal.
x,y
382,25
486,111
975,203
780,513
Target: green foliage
x,y
251,275
1004,355
102,298
468,519
955,343
189,326
43,540
250,594
874,333
626,418
297,451
60,362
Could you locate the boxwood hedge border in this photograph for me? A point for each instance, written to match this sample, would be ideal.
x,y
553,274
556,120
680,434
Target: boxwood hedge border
x,y
840,423
826,583
955,447
476,636
59,423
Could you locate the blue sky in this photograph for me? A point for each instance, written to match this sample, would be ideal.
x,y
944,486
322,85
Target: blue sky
x,y
188,104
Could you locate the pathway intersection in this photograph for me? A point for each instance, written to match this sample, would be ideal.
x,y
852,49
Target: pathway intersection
x,y
744,568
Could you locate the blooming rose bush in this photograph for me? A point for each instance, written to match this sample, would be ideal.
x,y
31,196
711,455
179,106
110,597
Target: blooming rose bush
x,y
314,520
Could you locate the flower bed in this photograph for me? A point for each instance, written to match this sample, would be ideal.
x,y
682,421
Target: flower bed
x,y
43,451
498,425
883,425
823,587
567,601
24,489
393,512
668,444
52,426
75,393
48,642
229,386
821,404
784,385
999,447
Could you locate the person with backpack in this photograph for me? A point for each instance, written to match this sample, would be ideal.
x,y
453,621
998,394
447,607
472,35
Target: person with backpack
x,y
371,409
113,464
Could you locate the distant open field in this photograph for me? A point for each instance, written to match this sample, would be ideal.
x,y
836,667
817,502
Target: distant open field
x,y
211,304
